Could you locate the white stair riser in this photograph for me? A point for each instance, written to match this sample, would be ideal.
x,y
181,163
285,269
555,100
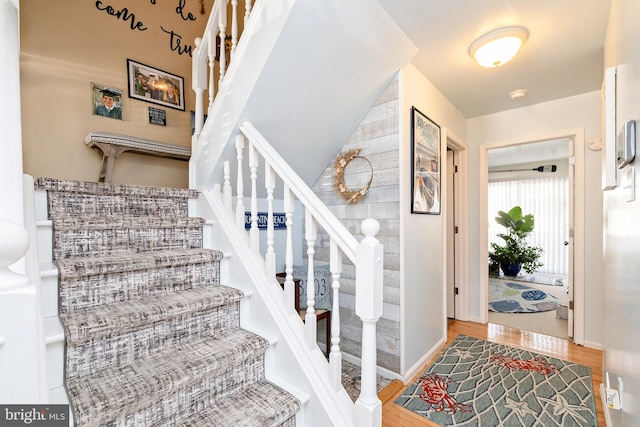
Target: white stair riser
x,y
44,235
49,294
55,364
42,210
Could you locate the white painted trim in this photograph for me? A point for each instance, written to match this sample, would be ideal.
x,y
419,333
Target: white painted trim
x,y
577,135
420,364
579,235
475,319
462,220
403,165
594,345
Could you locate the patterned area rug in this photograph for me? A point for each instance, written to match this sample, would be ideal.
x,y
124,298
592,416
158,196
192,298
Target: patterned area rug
x,y
542,279
351,380
509,297
480,383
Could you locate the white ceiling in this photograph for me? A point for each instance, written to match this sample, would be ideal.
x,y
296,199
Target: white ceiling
x,y
562,57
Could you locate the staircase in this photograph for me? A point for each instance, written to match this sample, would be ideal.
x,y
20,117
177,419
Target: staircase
x,y
152,337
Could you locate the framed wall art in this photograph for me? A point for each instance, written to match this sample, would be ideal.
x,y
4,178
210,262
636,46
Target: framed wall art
x,y
156,86
106,101
425,164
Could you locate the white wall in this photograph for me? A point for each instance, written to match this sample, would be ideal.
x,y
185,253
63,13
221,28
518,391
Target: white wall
x,y
622,225
581,111
422,242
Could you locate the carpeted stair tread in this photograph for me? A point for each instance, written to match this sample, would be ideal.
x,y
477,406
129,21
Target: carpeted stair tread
x,y
96,322
249,408
111,189
74,198
105,395
123,222
101,236
88,266
92,281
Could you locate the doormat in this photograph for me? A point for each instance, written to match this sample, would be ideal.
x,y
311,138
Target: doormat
x,y
508,297
479,383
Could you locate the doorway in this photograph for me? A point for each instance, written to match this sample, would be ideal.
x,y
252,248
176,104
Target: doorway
x,y
574,240
455,198
534,177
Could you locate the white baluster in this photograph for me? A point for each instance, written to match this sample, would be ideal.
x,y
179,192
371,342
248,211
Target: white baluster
x,y
335,358
226,187
270,184
253,166
199,85
234,26
211,54
240,184
247,12
289,286
222,25
310,317
369,270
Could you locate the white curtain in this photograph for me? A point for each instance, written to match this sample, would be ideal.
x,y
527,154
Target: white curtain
x,y
547,199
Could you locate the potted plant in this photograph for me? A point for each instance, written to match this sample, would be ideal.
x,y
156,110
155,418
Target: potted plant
x,y
516,253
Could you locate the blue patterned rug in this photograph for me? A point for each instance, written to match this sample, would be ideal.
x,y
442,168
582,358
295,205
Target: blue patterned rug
x,y
509,297
479,383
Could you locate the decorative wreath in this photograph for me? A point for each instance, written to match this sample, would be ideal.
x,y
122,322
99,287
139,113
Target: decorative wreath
x,y
340,165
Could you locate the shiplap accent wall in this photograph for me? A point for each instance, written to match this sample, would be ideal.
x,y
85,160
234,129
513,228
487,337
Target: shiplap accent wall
x,y
378,138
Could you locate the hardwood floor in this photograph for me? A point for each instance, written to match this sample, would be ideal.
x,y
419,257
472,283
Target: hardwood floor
x,y
396,416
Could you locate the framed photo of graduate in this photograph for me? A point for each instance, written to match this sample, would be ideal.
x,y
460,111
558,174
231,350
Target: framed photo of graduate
x,y
156,86
106,101
425,164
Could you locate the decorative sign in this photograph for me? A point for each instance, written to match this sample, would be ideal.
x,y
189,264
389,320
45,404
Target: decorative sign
x,y
279,221
157,116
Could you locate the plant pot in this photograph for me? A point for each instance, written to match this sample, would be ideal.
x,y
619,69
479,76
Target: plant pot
x,y
494,269
510,269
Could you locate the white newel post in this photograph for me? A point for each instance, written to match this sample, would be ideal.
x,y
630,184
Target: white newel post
x,y
20,371
369,271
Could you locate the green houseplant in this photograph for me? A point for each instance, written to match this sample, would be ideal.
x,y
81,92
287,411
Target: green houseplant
x,y
516,253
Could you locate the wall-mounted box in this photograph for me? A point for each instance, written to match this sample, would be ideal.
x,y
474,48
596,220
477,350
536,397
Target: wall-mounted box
x,y
626,144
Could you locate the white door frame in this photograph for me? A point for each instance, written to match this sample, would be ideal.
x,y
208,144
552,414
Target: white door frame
x,y
577,135
462,221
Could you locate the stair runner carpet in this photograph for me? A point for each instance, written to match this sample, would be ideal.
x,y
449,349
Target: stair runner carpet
x,y
152,337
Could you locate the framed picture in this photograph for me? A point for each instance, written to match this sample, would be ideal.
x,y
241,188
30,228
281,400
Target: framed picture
x,y
156,86
106,101
425,164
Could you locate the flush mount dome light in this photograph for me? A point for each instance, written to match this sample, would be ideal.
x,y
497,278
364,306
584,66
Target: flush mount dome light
x,y
498,46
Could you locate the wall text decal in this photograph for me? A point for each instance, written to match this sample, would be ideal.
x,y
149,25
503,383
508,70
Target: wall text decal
x,y
180,11
175,42
122,14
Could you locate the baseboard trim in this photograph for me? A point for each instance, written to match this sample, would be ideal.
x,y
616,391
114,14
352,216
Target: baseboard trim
x,y
384,372
475,319
594,345
420,364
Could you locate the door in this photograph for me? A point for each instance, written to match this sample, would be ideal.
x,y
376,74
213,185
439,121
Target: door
x,y
451,235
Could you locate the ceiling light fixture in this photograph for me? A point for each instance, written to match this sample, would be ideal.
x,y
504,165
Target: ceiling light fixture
x,y
498,46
